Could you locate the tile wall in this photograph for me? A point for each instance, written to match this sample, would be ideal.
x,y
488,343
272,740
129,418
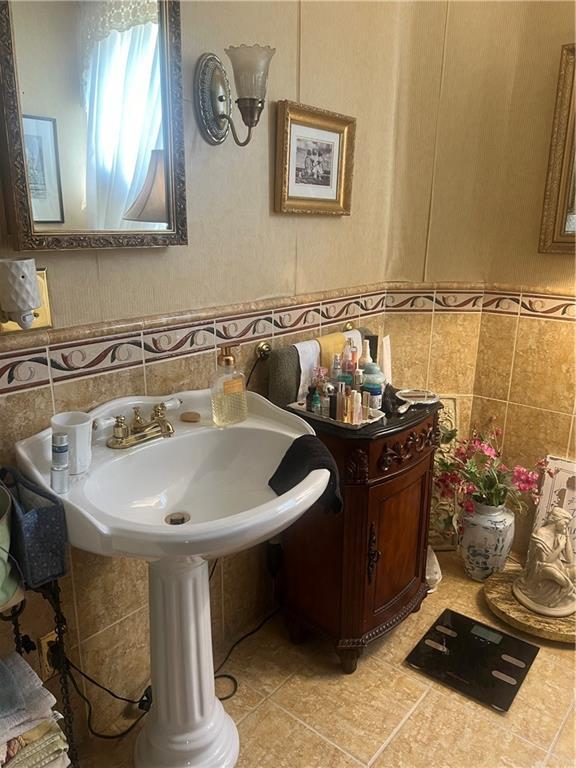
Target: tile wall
x,y
497,352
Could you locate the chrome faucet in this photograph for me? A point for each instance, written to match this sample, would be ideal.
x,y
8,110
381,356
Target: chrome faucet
x,y
139,431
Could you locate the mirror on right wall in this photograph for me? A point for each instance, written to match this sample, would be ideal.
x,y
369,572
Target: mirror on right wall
x,y
558,229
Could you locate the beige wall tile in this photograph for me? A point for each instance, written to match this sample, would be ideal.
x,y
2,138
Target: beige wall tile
x,y
22,414
410,347
271,737
453,352
107,589
85,394
118,658
487,413
494,359
180,374
461,737
532,433
248,591
544,372
572,442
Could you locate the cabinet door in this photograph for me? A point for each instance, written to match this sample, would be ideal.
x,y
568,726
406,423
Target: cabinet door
x,y
397,541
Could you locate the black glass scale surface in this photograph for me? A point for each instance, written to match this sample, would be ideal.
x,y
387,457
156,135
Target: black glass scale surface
x,y
474,658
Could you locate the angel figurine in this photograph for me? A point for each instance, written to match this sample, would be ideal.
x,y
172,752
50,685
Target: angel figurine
x,y
548,582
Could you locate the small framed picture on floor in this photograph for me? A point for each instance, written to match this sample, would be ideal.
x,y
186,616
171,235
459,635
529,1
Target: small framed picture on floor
x,y
314,160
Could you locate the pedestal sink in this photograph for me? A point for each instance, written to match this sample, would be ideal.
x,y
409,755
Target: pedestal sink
x,y
216,480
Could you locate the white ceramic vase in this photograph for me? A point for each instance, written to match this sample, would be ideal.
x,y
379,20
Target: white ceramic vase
x,y
486,539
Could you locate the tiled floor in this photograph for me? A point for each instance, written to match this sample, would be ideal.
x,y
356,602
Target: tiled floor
x,y
295,709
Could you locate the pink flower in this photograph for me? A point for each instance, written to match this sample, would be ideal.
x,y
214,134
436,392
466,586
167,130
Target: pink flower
x,y
468,505
488,450
525,480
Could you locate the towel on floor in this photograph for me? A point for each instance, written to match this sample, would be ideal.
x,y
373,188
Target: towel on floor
x,y
304,455
41,751
331,344
38,702
11,699
309,358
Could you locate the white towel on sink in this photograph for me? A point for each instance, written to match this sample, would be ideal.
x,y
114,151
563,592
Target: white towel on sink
x,y
309,357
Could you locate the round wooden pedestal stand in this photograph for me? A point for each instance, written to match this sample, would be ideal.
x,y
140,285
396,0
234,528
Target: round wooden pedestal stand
x,y
501,601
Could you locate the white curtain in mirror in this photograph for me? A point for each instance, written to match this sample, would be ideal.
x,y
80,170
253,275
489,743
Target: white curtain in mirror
x,y
124,111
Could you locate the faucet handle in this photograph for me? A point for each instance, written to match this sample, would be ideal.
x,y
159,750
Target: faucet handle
x,y
172,404
137,420
121,429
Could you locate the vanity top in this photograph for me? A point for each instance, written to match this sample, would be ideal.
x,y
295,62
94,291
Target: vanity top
x,y
385,428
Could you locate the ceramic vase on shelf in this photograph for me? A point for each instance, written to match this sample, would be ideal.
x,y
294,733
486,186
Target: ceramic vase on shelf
x,y
486,539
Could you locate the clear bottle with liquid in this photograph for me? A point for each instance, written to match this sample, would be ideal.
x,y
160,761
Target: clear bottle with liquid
x,y
229,403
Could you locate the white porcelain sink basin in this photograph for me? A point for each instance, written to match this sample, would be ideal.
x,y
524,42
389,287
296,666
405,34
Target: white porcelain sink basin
x,y
218,478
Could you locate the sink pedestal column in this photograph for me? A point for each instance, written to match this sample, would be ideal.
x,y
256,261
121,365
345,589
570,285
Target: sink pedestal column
x,y
187,725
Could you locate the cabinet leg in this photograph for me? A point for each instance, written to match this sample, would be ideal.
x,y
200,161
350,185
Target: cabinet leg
x,y
349,658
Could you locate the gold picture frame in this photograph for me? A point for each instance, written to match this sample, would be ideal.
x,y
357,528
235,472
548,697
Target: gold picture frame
x,y
558,208
314,160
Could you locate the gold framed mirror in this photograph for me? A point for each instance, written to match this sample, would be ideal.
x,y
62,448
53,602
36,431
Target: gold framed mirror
x,y
558,229
93,145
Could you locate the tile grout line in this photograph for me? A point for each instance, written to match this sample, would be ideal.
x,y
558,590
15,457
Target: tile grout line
x,y
427,386
512,363
50,379
113,624
476,355
559,731
317,733
400,725
143,362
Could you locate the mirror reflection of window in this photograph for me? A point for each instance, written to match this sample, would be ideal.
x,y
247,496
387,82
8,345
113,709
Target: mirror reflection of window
x,y
123,102
571,211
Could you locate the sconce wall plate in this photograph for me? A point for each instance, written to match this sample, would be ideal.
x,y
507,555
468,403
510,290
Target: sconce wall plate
x,y
212,98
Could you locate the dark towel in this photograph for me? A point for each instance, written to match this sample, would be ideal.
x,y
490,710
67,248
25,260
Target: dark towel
x,y
304,455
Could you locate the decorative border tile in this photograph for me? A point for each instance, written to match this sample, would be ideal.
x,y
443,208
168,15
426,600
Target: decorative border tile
x,y
36,367
495,303
87,358
28,369
409,301
241,329
293,319
458,301
340,310
373,303
548,307
178,341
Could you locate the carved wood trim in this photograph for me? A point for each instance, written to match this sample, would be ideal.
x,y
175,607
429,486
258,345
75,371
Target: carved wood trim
x,y
382,629
357,469
374,553
416,443
25,238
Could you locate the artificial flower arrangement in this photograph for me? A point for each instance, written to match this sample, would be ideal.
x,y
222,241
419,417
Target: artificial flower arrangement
x,y
475,472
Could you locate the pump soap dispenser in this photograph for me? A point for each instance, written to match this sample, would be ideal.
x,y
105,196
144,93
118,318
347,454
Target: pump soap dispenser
x,y
229,405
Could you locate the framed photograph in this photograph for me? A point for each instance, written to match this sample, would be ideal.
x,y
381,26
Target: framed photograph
x,y
43,169
314,160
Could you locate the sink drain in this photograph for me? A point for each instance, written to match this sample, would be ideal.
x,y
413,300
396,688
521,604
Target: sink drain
x,y
177,518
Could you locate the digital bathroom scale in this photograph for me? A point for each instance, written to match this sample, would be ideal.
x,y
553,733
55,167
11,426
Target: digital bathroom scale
x,y
486,664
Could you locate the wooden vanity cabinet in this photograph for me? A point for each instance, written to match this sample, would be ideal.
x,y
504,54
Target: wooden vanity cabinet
x,y
356,574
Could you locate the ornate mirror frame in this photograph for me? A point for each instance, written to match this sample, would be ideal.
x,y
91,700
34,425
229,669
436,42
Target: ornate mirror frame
x,y
553,237
18,204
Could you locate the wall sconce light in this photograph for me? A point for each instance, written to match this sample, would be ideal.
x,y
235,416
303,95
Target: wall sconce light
x,y
250,64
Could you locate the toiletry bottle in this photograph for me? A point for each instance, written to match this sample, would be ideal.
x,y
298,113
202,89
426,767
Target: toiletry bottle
x,y
340,403
357,416
336,369
229,403
326,406
347,375
373,383
365,405
358,378
353,355
316,403
365,357
309,396
59,473
348,407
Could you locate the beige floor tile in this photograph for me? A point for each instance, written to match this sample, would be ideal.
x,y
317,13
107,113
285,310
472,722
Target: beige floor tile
x,y
357,712
111,754
271,738
565,748
244,701
554,761
267,659
444,734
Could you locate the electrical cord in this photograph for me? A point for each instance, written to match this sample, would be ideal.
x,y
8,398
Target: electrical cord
x,y
248,634
214,564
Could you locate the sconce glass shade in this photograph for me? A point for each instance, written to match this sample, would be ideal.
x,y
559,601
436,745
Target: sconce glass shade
x,y
150,205
250,64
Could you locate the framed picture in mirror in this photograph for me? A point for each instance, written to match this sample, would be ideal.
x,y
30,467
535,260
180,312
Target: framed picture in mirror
x,y
314,160
558,227
43,167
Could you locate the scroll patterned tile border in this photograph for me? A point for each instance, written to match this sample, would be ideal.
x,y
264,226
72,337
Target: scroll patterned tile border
x,y
42,365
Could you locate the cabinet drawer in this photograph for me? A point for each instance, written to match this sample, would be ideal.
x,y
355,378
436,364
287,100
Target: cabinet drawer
x,y
367,461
